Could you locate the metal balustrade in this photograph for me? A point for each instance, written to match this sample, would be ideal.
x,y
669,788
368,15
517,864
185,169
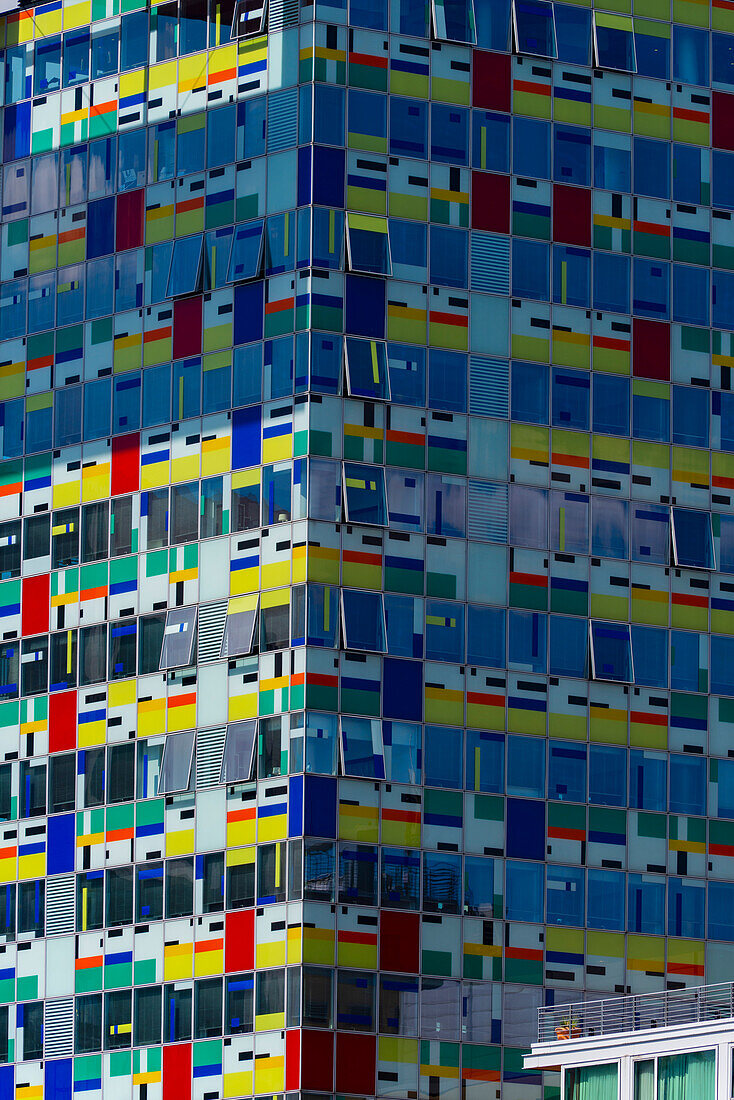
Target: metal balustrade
x,y
636,1012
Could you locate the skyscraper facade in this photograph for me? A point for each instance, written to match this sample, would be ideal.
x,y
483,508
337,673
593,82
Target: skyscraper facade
x,y
366,536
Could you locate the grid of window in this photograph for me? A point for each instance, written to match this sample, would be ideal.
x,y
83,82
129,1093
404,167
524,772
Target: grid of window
x,y
366,535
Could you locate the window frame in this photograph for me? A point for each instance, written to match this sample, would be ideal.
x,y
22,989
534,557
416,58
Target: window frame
x,y
247,229
360,223
236,606
566,1070
232,728
516,31
618,18
436,32
250,31
194,286
711,543
176,743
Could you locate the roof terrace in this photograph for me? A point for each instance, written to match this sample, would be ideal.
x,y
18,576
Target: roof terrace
x,y
630,1013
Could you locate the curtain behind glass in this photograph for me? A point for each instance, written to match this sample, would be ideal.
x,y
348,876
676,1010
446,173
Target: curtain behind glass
x,y
645,1080
592,1083
687,1076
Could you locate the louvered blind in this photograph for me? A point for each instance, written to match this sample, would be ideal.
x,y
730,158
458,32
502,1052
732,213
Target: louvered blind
x,y
58,1028
487,510
490,262
212,617
489,386
209,752
59,905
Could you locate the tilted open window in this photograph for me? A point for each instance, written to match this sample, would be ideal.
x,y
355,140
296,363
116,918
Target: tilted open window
x,y
178,638
249,17
614,42
693,539
246,257
239,752
239,629
368,244
611,652
178,752
187,264
363,620
453,20
535,28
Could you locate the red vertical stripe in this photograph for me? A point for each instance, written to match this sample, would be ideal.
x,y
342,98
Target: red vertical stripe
x,y
293,1061
490,202
129,220
177,1072
125,477
317,1061
651,349
723,121
355,1063
187,313
62,721
399,939
239,945
491,79
571,214
34,605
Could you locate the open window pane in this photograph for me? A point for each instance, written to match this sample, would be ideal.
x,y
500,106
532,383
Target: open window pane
x,y
614,41
175,770
363,619
178,639
245,261
368,244
453,20
650,534
367,374
249,17
274,619
240,626
184,275
535,28
611,652
693,542
239,748
362,752
217,247
364,494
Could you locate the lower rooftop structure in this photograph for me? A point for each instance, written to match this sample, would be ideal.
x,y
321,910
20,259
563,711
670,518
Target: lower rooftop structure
x,y
672,1045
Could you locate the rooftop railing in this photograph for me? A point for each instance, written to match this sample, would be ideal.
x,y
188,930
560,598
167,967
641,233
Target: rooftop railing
x,y
636,1012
